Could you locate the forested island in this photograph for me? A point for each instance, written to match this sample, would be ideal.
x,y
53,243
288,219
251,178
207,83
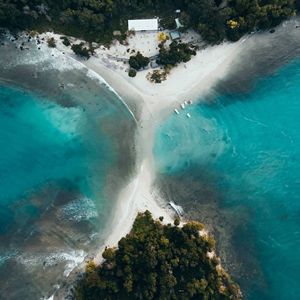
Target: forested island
x,y
91,20
156,261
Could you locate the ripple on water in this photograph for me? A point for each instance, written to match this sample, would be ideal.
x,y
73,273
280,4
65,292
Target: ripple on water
x,y
54,161
247,148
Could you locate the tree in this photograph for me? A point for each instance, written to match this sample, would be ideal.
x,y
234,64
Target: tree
x,y
65,41
132,73
95,20
109,254
177,222
138,61
158,262
51,42
177,52
79,50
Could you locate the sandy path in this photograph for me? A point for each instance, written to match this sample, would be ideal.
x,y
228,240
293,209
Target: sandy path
x,y
151,104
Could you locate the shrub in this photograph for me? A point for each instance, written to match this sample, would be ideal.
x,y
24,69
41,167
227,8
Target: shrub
x,y
65,41
109,254
168,23
177,222
132,73
51,42
79,50
157,76
177,53
138,61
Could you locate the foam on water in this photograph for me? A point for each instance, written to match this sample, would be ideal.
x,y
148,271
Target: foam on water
x,y
59,145
50,55
80,209
71,260
94,75
54,162
34,137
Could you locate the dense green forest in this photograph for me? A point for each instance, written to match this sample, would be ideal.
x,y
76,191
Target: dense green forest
x,y
95,20
160,262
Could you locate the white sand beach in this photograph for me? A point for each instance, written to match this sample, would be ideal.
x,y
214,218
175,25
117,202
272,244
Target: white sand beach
x,y
150,103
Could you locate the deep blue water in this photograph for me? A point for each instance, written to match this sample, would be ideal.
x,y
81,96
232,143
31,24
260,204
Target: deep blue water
x,y
252,143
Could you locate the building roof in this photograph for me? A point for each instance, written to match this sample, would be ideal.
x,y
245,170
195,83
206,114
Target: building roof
x,y
178,24
143,24
175,35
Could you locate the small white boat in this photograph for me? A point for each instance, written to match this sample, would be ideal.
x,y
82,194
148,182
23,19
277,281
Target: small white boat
x,y
178,209
188,115
185,102
182,105
176,111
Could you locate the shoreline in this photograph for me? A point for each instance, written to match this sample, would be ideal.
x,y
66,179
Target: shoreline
x,y
188,81
149,110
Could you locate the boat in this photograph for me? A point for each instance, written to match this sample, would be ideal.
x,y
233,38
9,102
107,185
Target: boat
x,y
178,209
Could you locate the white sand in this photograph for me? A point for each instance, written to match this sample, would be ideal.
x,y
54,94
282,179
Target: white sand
x,y
188,81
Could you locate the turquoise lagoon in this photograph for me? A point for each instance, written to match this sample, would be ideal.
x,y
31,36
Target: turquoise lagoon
x,y
42,142
55,202
251,143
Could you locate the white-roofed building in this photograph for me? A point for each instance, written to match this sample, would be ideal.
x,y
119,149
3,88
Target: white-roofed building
x,y
143,25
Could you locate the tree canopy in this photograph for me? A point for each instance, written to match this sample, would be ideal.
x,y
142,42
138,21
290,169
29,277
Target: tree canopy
x,y
80,50
176,53
138,61
96,20
161,262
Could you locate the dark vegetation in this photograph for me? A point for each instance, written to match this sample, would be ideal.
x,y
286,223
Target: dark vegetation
x,y
65,41
132,73
168,57
176,53
80,50
138,61
160,262
96,20
51,42
158,76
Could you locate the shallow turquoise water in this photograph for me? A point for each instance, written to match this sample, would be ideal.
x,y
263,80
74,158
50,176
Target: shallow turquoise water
x,y
252,143
61,167
43,143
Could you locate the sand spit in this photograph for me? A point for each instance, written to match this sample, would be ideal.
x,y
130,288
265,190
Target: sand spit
x,y
150,104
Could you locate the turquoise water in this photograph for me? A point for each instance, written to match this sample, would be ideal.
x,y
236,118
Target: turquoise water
x,y
42,142
61,166
251,142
